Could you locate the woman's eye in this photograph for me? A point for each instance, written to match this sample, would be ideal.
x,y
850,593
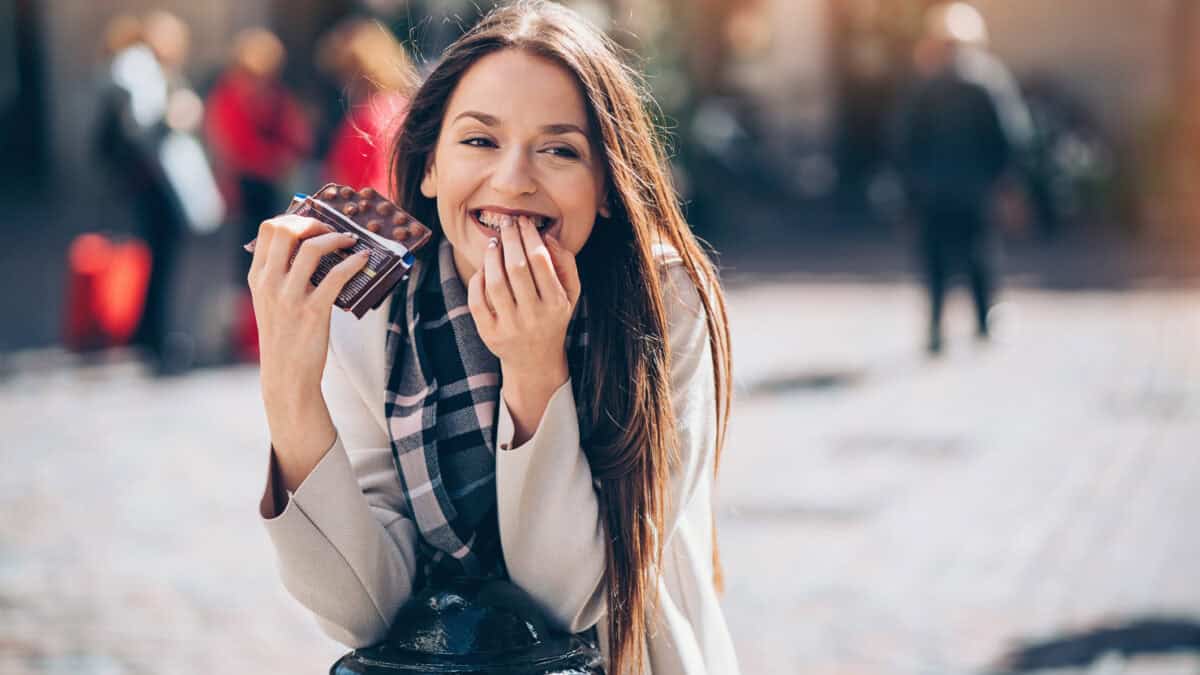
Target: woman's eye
x,y
479,142
563,151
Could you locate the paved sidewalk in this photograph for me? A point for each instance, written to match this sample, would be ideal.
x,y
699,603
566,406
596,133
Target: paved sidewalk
x,y
879,512
883,513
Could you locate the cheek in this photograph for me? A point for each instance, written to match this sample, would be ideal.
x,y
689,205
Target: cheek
x,y
581,215
474,257
577,235
466,242
450,196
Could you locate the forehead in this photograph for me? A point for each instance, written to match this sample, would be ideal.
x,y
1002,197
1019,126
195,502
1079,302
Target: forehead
x,y
521,89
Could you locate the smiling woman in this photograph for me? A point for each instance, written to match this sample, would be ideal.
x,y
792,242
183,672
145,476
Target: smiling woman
x,y
515,137
544,401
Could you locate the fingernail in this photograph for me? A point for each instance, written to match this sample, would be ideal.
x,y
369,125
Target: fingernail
x,y
349,235
493,242
365,253
505,221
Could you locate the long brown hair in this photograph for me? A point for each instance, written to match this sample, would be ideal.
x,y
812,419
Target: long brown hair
x,y
632,437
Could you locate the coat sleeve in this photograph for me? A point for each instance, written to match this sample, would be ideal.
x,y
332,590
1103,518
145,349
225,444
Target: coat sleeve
x,y
550,525
344,549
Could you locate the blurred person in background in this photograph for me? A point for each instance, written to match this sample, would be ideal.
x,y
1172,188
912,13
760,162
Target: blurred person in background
x,y
256,130
957,132
118,139
144,94
376,74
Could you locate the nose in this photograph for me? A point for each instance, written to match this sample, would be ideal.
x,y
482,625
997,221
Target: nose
x,y
513,175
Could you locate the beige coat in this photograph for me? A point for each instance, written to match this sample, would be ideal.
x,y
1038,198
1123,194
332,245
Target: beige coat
x,y
347,554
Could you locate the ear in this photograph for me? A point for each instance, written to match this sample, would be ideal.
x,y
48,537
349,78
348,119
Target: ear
x,y
604,210
429,181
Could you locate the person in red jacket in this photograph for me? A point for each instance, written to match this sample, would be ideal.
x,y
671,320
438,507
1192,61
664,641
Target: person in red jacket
x,y
256,129
376,74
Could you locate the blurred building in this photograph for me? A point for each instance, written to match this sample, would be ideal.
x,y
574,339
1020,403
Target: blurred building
x,y
787,94
805,68
830,69
69,43
1116,56
50,64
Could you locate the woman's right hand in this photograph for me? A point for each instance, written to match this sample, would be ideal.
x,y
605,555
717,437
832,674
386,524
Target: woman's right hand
x,y
293,315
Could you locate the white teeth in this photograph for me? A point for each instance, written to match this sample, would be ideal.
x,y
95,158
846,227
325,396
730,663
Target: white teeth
x,y
496,220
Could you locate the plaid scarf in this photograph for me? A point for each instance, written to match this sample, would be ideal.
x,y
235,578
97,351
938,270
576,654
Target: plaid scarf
x,y
442,395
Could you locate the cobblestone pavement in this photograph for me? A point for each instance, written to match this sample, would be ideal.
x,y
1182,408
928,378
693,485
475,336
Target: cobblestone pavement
x,y
880,512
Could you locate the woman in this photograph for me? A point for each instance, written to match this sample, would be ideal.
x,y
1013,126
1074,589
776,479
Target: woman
x,y
545,399
374,70
256,128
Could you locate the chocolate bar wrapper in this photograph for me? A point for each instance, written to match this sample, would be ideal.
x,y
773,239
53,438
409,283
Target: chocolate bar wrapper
x,y
368,215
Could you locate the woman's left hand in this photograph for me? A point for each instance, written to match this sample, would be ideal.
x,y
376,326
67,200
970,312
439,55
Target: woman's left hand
x,y
522,300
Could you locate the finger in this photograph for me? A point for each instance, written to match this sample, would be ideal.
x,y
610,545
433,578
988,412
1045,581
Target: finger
x,y
565,267
541,267
297,281
327,292
516,265
496,282
288,231
262,244
477,303
483,284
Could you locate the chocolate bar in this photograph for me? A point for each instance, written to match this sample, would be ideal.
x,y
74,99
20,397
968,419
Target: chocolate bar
x,y
383,228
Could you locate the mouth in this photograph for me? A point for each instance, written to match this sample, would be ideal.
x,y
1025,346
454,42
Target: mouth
x,y
490,220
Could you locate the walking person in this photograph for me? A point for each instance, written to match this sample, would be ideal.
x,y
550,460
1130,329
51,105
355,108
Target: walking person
x,y
256,129
958,132
258,134
143,88
376,75
544,400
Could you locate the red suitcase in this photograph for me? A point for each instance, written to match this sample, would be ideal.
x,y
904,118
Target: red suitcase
x,y
106,290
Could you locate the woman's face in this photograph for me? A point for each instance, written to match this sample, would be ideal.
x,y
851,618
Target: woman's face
x,y
514,142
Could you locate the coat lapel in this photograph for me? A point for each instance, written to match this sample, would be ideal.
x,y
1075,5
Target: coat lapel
x,y
360,348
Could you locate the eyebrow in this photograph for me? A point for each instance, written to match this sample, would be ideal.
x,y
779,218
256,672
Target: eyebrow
x,y
493,121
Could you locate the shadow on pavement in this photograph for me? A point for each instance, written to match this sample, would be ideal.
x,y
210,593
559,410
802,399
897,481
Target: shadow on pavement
x,y
1153,635
810,381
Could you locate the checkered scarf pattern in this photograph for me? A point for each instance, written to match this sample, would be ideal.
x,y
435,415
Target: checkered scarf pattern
x,y
442,396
